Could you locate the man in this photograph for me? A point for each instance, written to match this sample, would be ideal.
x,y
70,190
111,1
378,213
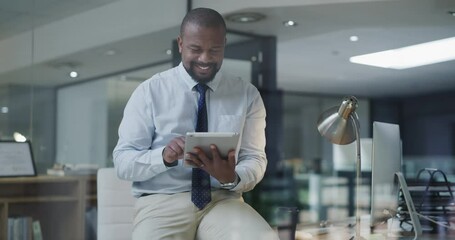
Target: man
x,y
191,97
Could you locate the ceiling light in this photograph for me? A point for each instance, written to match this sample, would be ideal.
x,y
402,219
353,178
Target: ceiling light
x,y
247,17
4,109
410,56
73,74
67,67
452,13
353,38
168,51
289,23
18,137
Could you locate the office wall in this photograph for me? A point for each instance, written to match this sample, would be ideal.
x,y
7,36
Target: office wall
x,y
427,124
426,127
119,91
81,130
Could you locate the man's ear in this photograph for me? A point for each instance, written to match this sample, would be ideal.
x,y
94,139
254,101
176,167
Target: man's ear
x,y
180,43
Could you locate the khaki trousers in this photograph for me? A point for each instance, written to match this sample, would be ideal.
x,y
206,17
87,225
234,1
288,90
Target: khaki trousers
x,y
174,216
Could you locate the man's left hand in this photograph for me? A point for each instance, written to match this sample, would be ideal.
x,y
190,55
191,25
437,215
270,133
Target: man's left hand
x,y
221,169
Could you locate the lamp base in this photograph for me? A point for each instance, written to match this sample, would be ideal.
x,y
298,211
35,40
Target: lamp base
x,y
356,233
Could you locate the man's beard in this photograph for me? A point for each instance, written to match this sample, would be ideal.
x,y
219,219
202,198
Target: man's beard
x,y
191,71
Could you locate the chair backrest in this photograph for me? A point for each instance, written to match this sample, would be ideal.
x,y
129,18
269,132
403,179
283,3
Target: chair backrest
x,y
115,206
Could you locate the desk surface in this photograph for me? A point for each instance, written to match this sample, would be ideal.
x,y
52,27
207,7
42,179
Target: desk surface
x,y
341,230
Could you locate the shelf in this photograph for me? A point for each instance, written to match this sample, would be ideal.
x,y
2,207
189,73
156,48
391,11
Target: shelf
x,y
38,199
59,203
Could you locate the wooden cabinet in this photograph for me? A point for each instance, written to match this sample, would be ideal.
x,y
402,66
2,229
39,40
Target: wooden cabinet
x,y
58,203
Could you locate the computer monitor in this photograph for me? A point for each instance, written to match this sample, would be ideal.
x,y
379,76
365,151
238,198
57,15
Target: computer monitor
x,y
386,161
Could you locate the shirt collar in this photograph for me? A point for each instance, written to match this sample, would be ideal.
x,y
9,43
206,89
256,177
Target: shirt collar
x,y
191,83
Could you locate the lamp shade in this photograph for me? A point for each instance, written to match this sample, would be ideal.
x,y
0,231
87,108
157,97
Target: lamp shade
x,y
337,123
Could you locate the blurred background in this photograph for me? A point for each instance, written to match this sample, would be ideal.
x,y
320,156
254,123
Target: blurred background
x,y
68,67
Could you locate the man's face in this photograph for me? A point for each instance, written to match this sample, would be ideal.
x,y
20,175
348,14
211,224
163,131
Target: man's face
x,y
202,51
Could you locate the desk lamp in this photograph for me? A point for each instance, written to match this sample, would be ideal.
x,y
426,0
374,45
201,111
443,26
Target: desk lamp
x,y
340,125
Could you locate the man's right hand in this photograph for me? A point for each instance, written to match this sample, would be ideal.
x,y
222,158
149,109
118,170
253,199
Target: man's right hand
x,y
174,150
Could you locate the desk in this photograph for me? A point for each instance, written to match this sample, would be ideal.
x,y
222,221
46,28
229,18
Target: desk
x,y
59,203
340,230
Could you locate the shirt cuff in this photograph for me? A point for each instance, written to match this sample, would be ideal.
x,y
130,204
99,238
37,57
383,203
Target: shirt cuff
x,y
166,164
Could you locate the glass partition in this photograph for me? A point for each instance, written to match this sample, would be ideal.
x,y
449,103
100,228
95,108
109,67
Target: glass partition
x,y
306,177
66,72
98,107
27,107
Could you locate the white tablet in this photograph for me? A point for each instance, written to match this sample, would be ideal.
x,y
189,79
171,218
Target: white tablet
x,y
225,141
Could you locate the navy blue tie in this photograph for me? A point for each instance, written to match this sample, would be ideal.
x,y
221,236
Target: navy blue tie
x,y
200,187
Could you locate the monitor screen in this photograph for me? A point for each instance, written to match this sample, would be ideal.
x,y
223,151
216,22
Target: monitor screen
x,y
386,161
16,159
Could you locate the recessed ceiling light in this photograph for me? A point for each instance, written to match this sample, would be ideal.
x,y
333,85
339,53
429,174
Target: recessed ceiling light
x,y
410,56
168,51
246,17
290,23
73,74
353,38
452,13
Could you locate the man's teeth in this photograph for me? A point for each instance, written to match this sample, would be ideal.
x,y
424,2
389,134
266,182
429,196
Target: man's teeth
x,y
204,68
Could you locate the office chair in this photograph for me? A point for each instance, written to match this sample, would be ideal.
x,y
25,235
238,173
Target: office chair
x,y
115,206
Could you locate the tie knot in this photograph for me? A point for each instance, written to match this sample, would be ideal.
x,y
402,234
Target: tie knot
x,y
201,88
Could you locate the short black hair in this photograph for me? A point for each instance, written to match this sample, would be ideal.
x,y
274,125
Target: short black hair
x,y
204,17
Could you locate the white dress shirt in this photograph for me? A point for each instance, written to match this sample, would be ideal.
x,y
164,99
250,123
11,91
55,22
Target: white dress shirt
x,y
164,107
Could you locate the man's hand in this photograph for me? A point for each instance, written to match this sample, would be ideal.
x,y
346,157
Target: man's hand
x,y
221,169
174,150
